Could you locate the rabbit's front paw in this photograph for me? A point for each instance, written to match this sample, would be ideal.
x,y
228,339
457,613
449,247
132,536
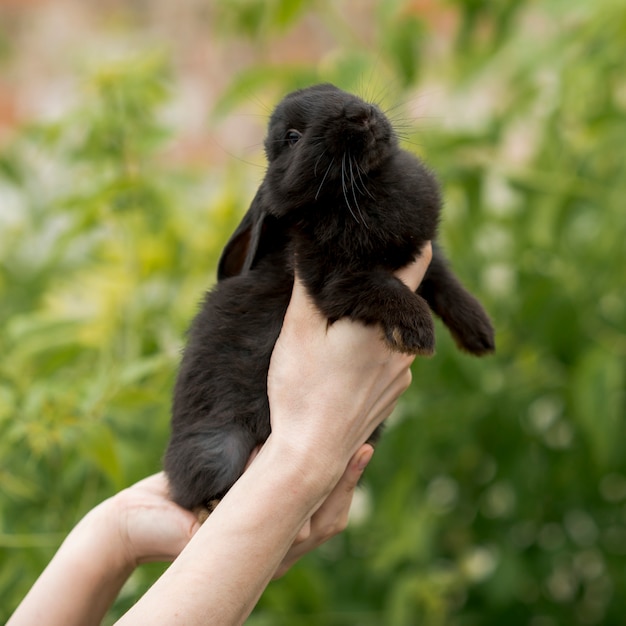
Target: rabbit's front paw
x,y
470,326
416,337
476,338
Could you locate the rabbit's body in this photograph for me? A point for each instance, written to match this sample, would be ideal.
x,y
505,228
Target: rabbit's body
x,y
346,206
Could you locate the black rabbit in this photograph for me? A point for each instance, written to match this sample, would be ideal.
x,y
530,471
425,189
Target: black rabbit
x,y
346,206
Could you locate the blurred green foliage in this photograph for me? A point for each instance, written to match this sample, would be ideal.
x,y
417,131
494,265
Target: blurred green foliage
x,y
498,494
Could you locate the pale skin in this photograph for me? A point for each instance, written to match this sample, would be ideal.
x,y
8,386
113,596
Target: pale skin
x,y
329,388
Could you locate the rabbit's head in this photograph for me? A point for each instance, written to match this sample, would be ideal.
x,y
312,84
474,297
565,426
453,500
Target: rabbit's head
x,y
321,143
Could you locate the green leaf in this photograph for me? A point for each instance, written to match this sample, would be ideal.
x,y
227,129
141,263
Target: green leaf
x,y
599,404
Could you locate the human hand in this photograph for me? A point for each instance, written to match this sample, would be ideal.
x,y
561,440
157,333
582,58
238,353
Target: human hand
x,y
344,370
332,516
150,526
358,377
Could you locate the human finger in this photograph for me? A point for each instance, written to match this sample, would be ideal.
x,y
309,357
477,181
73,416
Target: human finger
x,y
332,516
384,404
413,274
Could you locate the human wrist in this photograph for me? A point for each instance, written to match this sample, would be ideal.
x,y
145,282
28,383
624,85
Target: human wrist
x,y
103,528
307,464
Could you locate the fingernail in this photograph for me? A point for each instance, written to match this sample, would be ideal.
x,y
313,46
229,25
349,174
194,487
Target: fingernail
x,y
364,459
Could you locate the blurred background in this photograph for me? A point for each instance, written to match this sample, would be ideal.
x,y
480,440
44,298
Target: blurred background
x,y
131,144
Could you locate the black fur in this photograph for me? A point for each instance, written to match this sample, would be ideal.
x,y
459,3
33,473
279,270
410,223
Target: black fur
x,y
344,204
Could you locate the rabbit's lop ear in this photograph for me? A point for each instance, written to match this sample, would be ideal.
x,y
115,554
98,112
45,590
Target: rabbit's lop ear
x,y
248,242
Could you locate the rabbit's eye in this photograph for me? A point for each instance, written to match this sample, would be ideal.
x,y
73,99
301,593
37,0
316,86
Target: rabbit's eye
x,y
292,137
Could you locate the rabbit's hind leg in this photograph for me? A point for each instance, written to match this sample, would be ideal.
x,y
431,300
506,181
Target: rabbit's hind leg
x,y
203,465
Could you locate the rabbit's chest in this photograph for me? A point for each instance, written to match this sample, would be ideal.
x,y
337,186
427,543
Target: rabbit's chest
x,y
355,248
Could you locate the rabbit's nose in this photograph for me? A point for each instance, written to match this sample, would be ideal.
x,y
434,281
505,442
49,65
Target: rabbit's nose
x,y
360,113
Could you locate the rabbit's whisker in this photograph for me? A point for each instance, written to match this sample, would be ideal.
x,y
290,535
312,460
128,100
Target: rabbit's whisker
x,y
354,190
344,188
364,190
360,186
316,164
319,189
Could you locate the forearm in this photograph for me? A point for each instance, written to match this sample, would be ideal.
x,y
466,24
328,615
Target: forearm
x,y
220,575
82,580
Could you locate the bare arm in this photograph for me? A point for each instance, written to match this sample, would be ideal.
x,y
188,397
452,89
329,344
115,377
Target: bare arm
x,y
328,389
142,524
